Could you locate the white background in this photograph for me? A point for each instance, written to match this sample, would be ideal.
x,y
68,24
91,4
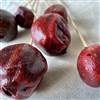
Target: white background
x,y
62,81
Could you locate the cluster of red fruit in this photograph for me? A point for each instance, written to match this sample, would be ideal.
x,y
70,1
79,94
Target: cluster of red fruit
x,y
22,66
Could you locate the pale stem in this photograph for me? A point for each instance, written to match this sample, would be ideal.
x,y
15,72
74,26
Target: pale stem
x,y
29,2
75,27
33,4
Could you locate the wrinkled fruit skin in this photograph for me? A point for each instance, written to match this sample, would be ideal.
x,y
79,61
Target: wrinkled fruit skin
x,y
88,65
22,67
51,33
24,17
8,26
59,9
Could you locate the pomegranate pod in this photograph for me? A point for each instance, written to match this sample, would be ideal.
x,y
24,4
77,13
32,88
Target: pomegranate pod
x,y
24,17
59,9
51,33
21,69
8,26
88,65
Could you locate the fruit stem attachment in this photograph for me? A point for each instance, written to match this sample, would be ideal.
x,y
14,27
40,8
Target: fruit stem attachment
x,y
75,26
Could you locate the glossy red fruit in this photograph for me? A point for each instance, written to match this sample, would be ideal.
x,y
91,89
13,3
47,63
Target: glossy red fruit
x,y
89,65
51,33
59,9
8,26
24,17
21,69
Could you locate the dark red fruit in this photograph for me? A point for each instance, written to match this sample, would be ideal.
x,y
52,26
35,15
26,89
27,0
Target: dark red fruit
x,y
24,17
89,65
59,9
8,26
21,69
51,33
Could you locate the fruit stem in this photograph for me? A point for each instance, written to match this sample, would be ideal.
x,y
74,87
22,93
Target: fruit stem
x,y
46,3
77,31
29,2
36,9
75,27
31,42
33,4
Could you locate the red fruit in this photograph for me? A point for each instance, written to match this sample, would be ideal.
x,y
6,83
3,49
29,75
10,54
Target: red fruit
x,y
21,69
24,17
59,9
8,26
51,33
89,65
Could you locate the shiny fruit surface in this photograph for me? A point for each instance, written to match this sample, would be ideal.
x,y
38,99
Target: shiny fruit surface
x,y
22,67
59,9
88,65
24,17
51,33
8,26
